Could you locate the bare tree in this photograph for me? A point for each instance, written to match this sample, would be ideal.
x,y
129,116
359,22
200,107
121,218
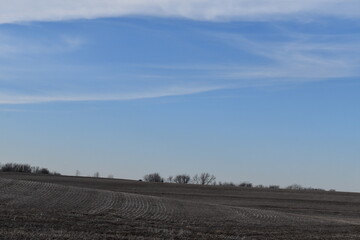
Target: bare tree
x,y
15,167
24,168
35,170
182,179
153,177
77,173
204,179
97,175
196,179
170,179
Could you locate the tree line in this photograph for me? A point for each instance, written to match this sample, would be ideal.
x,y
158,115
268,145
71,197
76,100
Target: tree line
x,y
202,179
210,179
24,168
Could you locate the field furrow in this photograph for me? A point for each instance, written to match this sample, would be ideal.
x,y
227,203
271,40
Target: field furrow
x,y
178,218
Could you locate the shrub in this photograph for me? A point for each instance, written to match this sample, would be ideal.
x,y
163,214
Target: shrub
x,y
295,187
246,184
44,171
227,184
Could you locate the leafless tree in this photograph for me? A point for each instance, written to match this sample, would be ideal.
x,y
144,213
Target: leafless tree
x,y
97,174
204,179
153,177
182,179
35,170
24,168
77,173
170,179
15,167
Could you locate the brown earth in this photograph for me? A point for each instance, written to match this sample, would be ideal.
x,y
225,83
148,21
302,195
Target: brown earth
x,y
63,207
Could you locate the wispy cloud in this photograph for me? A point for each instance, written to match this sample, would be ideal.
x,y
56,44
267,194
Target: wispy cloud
x,y
295,61
11,45
302,58
112,70
55,10
14,110
9,99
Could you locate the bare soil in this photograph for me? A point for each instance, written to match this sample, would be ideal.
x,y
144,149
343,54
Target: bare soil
x,y
63,207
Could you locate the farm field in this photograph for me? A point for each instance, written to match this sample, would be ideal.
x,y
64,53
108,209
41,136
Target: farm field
x,y
64,207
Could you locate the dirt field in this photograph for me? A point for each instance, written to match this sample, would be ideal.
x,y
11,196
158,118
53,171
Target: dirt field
x,y
60,207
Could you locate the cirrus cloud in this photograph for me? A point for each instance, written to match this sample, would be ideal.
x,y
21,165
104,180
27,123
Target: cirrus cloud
x,y
56,10
10,99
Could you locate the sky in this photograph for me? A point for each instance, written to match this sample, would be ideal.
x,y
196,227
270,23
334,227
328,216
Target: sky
x,y
248,90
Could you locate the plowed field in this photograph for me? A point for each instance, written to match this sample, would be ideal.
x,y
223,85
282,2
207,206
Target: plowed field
x,y
60,207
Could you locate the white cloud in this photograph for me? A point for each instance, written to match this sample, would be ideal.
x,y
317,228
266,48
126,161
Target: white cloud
x,y
289,58
54,10
172,91
296,61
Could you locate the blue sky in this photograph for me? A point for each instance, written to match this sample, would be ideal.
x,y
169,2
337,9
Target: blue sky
x,y
260,91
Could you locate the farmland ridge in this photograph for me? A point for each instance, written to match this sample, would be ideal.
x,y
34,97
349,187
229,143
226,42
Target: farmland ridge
x,y
65,207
